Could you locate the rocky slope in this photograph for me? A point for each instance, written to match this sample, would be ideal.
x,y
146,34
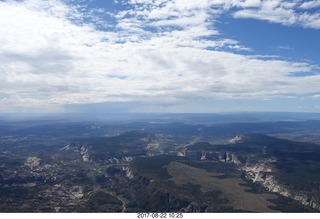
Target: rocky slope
x,y
111,149
258,161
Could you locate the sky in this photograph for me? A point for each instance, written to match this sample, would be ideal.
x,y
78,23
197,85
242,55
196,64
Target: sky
x,y
163,56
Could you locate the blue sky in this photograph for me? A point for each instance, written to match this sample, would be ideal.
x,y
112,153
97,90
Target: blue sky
x,y
159,56
289,42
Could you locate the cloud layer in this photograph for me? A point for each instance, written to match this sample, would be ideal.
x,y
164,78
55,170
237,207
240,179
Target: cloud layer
x,y
55,53
288,13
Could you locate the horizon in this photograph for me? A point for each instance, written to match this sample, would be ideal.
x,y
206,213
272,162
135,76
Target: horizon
x,y
133,56
200,118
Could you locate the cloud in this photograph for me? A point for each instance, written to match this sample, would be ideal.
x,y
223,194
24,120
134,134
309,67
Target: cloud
x,y
316,96
159,52
289,13
310,4
286,47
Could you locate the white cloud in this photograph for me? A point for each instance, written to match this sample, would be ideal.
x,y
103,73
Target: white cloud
x,y
317,96
157,52
310,20
285,47
290,13
310,4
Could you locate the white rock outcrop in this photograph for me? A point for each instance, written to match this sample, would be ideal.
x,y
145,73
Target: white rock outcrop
x,y
262,172
128,172
85,154
32,162
182,153
235,140
203,155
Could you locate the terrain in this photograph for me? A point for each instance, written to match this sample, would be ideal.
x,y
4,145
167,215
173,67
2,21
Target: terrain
x,y
165,163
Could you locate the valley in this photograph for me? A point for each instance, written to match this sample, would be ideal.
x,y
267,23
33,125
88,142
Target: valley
x,y
158,167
